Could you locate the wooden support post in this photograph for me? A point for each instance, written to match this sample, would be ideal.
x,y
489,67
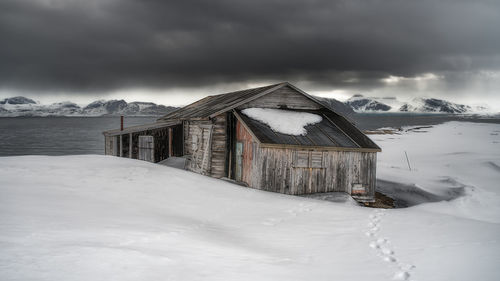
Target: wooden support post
x,y
121,146
170,142
130,145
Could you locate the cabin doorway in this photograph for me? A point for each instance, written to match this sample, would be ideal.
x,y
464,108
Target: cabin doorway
x,y
146,148
239,161
176,141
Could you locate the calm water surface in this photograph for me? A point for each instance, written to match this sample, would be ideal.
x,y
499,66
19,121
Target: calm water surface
x,y
83,135
58,135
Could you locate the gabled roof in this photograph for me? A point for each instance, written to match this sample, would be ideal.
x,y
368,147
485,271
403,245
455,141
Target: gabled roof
x,y
324,133
333,132
214,105
217,104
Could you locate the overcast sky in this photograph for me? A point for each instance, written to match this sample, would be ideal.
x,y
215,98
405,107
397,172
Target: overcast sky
x,y
174,52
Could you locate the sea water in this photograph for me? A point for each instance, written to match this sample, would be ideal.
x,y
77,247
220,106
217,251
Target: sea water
x,y
83,135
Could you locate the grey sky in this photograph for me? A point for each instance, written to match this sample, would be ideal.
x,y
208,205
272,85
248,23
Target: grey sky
x,y
180,50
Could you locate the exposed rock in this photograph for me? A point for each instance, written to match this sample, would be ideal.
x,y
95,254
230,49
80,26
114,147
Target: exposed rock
x,y
337,106
17,100
360,103
21,106
428,105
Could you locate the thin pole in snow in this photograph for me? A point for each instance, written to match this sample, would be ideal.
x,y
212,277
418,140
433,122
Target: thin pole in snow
x,y
408,161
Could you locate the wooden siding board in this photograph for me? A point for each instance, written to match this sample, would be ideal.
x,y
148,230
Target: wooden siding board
x,y
243,136
285,98
326,171
215,105
218,146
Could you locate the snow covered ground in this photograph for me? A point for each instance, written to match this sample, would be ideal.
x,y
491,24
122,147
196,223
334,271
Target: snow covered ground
x,y
107,218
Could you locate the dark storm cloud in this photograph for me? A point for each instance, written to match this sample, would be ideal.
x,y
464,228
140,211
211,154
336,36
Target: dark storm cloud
x,y
102,45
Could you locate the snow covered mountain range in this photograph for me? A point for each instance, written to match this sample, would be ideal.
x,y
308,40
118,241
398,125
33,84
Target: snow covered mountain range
x,y
22,106
360,103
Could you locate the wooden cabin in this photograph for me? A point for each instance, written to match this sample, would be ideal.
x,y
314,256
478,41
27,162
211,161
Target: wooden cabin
x,y
217,140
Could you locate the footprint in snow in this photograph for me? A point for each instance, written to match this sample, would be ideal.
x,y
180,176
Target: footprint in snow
x,y
381,245
389,259
387,251
401,275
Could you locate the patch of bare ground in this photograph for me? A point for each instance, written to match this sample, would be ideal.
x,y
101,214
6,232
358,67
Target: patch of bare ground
x,y
381,201
396,131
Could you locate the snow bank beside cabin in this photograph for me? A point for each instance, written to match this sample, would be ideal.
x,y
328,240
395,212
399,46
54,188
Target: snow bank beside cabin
x,y
453,160
283,121
109,218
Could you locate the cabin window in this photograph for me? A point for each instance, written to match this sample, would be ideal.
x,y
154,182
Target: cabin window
x,y
316,159
308,159
302,159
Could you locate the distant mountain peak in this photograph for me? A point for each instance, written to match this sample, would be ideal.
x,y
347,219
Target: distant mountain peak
x,y
17,100
360,103
429,105
336,105
21,106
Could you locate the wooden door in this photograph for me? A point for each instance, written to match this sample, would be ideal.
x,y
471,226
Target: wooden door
x,y
201,144
239,161
146,148
116,146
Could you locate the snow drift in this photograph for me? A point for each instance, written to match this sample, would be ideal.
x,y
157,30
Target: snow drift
x,y
109,218
283,121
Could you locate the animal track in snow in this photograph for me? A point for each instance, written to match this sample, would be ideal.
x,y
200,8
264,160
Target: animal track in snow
x,y
382,246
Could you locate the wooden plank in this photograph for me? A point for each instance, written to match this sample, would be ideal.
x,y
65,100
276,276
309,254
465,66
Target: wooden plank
x,y
121,145
130,145
332,171
170,142
308,147
252,97
285,98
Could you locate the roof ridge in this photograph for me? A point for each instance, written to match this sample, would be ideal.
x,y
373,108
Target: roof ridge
x,y
255,88
215,100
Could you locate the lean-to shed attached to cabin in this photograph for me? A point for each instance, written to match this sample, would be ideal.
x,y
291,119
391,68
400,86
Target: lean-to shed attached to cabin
x,y
218,140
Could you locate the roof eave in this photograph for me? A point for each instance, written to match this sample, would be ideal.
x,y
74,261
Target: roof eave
x,y
310,147
140,128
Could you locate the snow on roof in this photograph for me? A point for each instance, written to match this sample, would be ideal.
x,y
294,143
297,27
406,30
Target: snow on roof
x,y
283,121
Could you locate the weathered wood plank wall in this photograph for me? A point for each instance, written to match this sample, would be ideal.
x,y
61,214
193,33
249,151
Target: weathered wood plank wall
x,y
110,145
199,134
146,148
160,139
243,136
219,137
293,171
195,141
285,97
